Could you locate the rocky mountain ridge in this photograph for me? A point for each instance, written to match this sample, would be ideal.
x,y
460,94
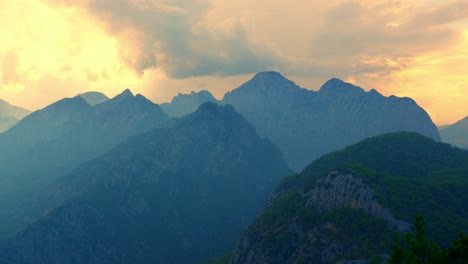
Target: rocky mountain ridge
x,y
154,197
351,205
50,142
306,124
184,104
337,191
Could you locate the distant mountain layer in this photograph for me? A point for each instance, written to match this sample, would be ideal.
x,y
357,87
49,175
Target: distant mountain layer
x,y
180,194
50,142
10,115
456,134
94,98
306,124
184,104
352,204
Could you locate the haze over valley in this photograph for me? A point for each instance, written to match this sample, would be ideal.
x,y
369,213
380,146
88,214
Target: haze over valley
x,y
216,132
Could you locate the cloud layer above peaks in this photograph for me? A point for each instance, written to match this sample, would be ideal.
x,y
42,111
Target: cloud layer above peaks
x,y
50,49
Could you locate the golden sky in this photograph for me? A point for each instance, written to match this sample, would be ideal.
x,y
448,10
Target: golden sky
x,y
50,49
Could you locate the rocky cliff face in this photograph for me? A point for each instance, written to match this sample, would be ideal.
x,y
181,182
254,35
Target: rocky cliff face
x,y
307,124
342,189
349,206
179,194
321,239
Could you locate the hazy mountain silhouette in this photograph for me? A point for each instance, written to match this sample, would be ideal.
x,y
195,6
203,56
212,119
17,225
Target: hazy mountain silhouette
x,y
10,115
353,203
305,124
94,98
50,142
456,134
184,104
180,194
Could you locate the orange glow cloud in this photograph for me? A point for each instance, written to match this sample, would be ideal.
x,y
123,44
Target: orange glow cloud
x,y
50,49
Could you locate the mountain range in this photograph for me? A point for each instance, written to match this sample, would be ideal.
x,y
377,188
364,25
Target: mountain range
x,y
456,134
92,179
352,204
184,104
50,142
10,115
306,124
179,194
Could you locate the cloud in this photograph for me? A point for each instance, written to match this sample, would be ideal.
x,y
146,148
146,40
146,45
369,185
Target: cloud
x,y
359,37
9,65
59,48
173,35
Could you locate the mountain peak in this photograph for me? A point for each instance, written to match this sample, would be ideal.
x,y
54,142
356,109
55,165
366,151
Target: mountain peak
x,y
209,111
200,96
214,108
125,94
269,74
336,85
93,97
264,83
270,77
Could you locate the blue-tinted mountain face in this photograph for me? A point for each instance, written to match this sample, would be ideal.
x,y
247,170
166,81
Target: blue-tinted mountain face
x,y
179,194
184,104
456,134
10,115
306,124
94,98
51,142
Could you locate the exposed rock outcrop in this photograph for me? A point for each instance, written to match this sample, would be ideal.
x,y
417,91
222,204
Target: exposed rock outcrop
x,y
344,190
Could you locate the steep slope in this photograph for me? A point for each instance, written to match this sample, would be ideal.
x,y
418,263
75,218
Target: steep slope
x,y
10,115
184,104
456,134
50,142
179,194
307,124
351,204
94,98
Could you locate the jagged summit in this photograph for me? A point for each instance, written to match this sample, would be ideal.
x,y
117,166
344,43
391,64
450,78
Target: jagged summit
x,y
125,94
184,104
306,124
336,85
269,86
201,97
